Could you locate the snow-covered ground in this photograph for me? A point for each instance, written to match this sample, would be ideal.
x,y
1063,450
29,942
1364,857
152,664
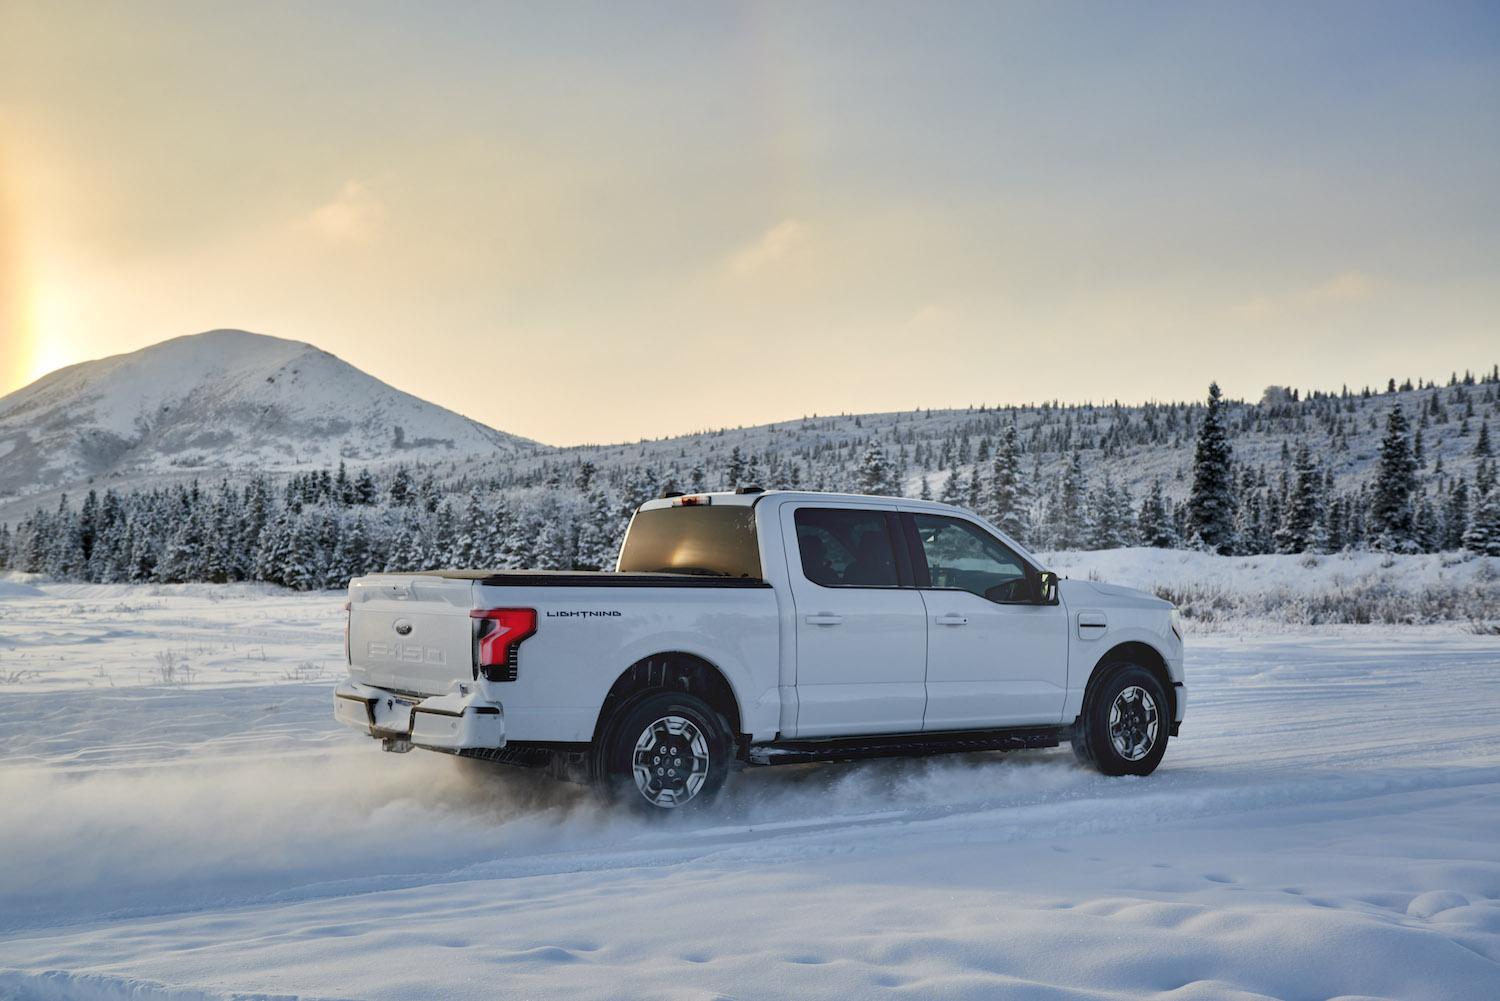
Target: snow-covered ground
x,y
1324,827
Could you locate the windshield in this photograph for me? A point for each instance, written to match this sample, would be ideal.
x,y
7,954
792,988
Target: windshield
x,y
713,541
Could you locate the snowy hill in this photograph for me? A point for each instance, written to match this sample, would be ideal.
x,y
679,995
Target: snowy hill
x,y
223,400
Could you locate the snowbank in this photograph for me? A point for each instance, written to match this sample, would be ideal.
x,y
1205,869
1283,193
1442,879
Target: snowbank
x,y
1339,588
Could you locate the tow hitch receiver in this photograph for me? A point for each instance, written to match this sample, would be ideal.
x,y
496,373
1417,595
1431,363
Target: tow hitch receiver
x,y
396,745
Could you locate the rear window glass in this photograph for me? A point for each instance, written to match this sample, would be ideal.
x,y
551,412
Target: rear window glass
x,y
713,541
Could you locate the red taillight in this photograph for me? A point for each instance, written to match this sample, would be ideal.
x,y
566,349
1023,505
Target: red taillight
x,y
498,634
348,613
693,500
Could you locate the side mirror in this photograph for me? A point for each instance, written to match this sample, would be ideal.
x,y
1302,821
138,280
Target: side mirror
x,y
1046,588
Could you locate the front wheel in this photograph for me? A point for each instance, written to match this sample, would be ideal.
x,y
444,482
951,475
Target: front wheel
x,y
1125,723
667,751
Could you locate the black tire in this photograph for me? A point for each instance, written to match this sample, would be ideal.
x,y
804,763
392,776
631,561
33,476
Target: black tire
x,y
1138,739
686,767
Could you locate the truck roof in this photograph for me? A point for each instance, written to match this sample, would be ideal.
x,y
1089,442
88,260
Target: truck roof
x,y
730,497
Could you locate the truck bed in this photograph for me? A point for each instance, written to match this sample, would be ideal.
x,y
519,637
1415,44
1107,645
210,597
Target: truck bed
x,y
589,578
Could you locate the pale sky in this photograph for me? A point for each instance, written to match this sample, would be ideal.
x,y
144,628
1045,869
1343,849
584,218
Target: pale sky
x,y
600,222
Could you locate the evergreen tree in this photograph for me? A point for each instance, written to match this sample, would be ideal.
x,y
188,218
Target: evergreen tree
x,y
1428,532
1301,518
598,545
401,492
185,558
1154,524
274,548
1456,515
351,554
1483,533
364,488
1069,519
554,550
1110,517
407,552
875,473
1007,502
734,471
953,489
1392,516
471,547
305,567
1211,501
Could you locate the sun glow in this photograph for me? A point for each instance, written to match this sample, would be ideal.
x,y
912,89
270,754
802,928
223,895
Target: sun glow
x,y
47,347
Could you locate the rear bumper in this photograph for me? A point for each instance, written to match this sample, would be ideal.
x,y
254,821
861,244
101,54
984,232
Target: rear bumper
x,y
455,721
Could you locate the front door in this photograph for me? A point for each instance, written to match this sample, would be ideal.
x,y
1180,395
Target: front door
x,y
994,657
861,634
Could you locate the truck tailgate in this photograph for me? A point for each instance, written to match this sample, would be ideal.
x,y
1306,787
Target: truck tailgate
x,y
411,633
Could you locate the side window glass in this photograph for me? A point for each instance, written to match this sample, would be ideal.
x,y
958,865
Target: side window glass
x,y
845,548
965,557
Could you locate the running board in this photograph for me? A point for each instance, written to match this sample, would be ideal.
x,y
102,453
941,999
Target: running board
x,y
905,745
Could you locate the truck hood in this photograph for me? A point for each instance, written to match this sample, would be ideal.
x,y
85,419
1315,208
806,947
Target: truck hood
x,y
1109,595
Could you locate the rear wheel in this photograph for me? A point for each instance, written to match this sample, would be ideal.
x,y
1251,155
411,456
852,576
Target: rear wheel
x,y
665,752
1125,723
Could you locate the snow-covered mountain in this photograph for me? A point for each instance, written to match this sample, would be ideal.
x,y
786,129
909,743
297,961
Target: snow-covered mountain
x,y
224,400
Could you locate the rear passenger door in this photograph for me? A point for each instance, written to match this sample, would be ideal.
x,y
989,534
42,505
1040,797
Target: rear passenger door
x,y
861,627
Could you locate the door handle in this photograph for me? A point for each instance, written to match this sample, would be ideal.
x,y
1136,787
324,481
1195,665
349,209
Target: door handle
x,y
824,619
952,619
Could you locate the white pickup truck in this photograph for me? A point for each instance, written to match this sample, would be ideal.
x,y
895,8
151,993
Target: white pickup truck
x,y
762,627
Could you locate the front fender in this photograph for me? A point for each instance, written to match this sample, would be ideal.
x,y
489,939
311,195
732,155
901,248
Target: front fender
x,y
1090,644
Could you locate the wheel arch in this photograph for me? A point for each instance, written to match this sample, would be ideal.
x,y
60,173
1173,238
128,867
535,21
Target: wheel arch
x,y
1135,652
673,671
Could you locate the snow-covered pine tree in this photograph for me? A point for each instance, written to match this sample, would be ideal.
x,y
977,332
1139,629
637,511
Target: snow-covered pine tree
x,y
1483,533
274,547
1068,517
401,492
1428,530
554,548
185,557
441,538
598,545
1110,517
365,490
1007,500
472,542
1211,500
1154,524
352,556
1392,515
1301,517
1456,514
1484,476
306,565
953,489
407,552
734,470
874,476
